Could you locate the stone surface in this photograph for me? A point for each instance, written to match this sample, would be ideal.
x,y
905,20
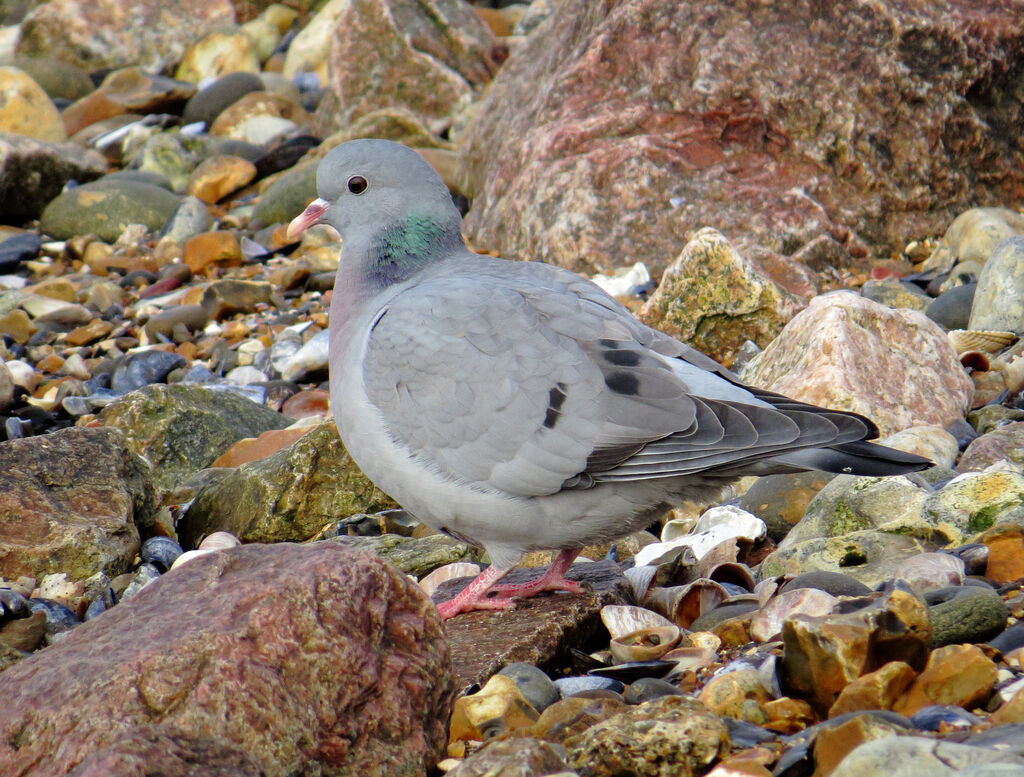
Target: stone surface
x,y
149,751
180,429
1001,444
715,300
107,208
822,655
35,172
910,756
781,500
999,300
72,502
416,556
497,709
290,495
248,645
739,695
540,631
967,614
218,53
973,235
773,152
848,353
961,675
834,742
674,736
92,35
25,109
439,45
876,690
1005,543
513,757
976,501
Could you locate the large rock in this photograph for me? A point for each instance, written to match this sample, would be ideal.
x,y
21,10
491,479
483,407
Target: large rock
x,y
71,502
94,35
290,495
26,109
382,47
311,660
715,300
848,353
619,128
183,428
106,208
999,300
34,173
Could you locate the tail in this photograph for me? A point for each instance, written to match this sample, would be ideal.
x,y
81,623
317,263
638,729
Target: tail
x,y
854,458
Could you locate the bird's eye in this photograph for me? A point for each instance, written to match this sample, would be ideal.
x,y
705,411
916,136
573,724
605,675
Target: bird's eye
x,y
357,184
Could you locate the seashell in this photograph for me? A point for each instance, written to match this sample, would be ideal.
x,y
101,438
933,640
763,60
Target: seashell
x,y
644,644
723,553
683,604
964,340
732,572
677,527
705,639
220,540
766,589
767,622
632,671
690,659
938,717
429,583
623,619
187,556
713,527
160,552
641,579
976,360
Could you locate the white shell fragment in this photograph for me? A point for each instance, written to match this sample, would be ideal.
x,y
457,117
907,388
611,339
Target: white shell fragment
x,y
714,527
430,582
623,619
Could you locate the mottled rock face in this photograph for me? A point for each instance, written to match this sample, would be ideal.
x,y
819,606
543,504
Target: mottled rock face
x,y
182,428
70,502
304,658
425,57
94,35
848,353
621,127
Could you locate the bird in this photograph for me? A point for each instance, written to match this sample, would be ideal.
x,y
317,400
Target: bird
x,y
515,405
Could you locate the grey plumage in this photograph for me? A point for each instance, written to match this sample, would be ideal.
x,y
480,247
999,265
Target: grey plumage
x,y
516,404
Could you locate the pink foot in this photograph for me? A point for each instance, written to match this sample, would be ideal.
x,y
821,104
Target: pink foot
x,y
483,593
552,580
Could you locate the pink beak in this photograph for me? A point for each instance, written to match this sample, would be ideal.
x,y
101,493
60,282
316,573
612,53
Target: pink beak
x,y
310,216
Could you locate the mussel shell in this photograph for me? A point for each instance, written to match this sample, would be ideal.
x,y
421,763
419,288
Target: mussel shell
x,y
622,619
13,605
59,618
941,717
634,670
161,552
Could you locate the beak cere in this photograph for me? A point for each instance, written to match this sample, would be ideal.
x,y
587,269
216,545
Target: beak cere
x,y
310,216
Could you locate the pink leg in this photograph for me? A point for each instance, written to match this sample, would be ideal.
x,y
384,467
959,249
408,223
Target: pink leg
x,y
552,580
474,595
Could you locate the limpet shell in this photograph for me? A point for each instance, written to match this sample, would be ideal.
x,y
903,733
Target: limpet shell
x,y
644,644
429,583
964,340
623,619
220,540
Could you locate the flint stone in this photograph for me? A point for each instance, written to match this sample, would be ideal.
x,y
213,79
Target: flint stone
x,y
182,428
72,501
289,495
309,659
34,173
